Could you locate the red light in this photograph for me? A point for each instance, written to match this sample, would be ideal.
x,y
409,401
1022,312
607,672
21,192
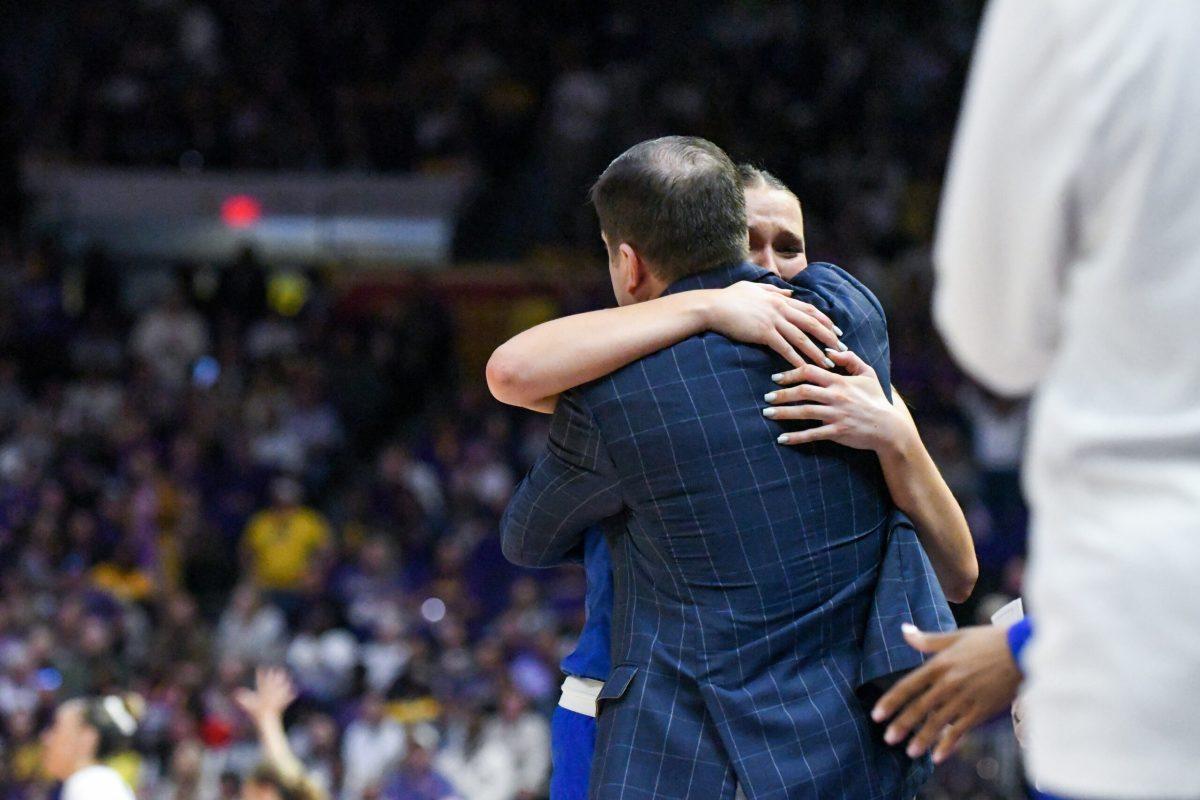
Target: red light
x,y
240,211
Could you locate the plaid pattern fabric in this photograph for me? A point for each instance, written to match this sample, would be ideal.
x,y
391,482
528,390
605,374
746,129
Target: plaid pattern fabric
x,y
907,591
745,572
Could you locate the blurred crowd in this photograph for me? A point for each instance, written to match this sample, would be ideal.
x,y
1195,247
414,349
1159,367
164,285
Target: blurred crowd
x,y
187,492
199,474
206,470
851,103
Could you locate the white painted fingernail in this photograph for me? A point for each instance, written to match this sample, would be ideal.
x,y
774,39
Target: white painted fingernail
x,y
783,438
842,346
829,363
837,330
769,412
770,397
908,627
830,350
777,377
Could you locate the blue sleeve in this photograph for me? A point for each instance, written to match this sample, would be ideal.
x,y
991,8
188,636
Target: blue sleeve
x,y
591,658
572,486
1018,636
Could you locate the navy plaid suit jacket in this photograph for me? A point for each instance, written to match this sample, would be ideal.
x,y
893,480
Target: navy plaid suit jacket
x,y
745,572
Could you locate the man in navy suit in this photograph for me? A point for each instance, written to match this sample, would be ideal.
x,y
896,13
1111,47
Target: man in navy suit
x,y
744,571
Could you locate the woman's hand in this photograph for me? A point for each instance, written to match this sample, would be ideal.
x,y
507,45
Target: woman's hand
x,y
758,313
852,409
272,695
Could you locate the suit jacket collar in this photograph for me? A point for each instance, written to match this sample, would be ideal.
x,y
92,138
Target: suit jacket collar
x,y
720,277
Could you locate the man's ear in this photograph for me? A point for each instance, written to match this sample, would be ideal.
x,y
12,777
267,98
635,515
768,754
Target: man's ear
x,y
633,269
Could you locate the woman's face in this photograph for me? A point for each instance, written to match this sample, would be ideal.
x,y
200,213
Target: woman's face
x,y
776,231
68,744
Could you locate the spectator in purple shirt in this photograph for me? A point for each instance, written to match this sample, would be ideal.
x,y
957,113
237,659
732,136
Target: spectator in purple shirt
x,y
418,780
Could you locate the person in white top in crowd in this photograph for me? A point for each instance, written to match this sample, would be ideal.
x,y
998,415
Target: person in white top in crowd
x,y
372,748
251,629
1068,265
170,337
84,733
526,734
478,765
997,444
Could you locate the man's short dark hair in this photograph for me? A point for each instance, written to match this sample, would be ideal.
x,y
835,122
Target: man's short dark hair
x,y
678,201
114,723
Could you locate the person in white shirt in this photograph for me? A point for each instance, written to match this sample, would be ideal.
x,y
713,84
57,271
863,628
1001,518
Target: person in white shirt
x,y
479,766
250,629
83,734
997,427
170,337
526,735
372,748
1068,264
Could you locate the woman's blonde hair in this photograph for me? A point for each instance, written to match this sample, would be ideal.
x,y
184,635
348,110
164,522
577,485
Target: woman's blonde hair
x,y
753,177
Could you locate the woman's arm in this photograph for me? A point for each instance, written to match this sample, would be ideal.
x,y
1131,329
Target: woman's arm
x,y
534,367
855,412
919,490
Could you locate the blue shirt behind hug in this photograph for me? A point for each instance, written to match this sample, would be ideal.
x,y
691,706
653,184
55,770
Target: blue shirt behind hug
x,y
591,658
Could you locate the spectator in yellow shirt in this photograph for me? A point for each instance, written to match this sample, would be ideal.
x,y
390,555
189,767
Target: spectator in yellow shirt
x,y
286,544
122,576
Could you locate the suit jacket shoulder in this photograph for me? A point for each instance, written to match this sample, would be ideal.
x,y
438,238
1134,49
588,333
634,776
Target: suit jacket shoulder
x,y
830,279
855,309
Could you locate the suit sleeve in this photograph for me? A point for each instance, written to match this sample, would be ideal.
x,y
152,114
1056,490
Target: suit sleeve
x,y
572,486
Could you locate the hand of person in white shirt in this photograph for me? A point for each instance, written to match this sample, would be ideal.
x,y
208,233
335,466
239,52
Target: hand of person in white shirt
x,y
274,692
265,704
971,678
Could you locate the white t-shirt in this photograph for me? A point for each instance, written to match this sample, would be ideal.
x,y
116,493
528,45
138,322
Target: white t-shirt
x,y
1068,262
96,783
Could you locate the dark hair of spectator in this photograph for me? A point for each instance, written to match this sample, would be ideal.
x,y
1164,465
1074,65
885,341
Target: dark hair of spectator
x,y
678,201
114,722
267,776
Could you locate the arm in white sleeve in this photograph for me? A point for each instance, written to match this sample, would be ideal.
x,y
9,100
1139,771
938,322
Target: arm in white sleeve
x,y
1003,231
